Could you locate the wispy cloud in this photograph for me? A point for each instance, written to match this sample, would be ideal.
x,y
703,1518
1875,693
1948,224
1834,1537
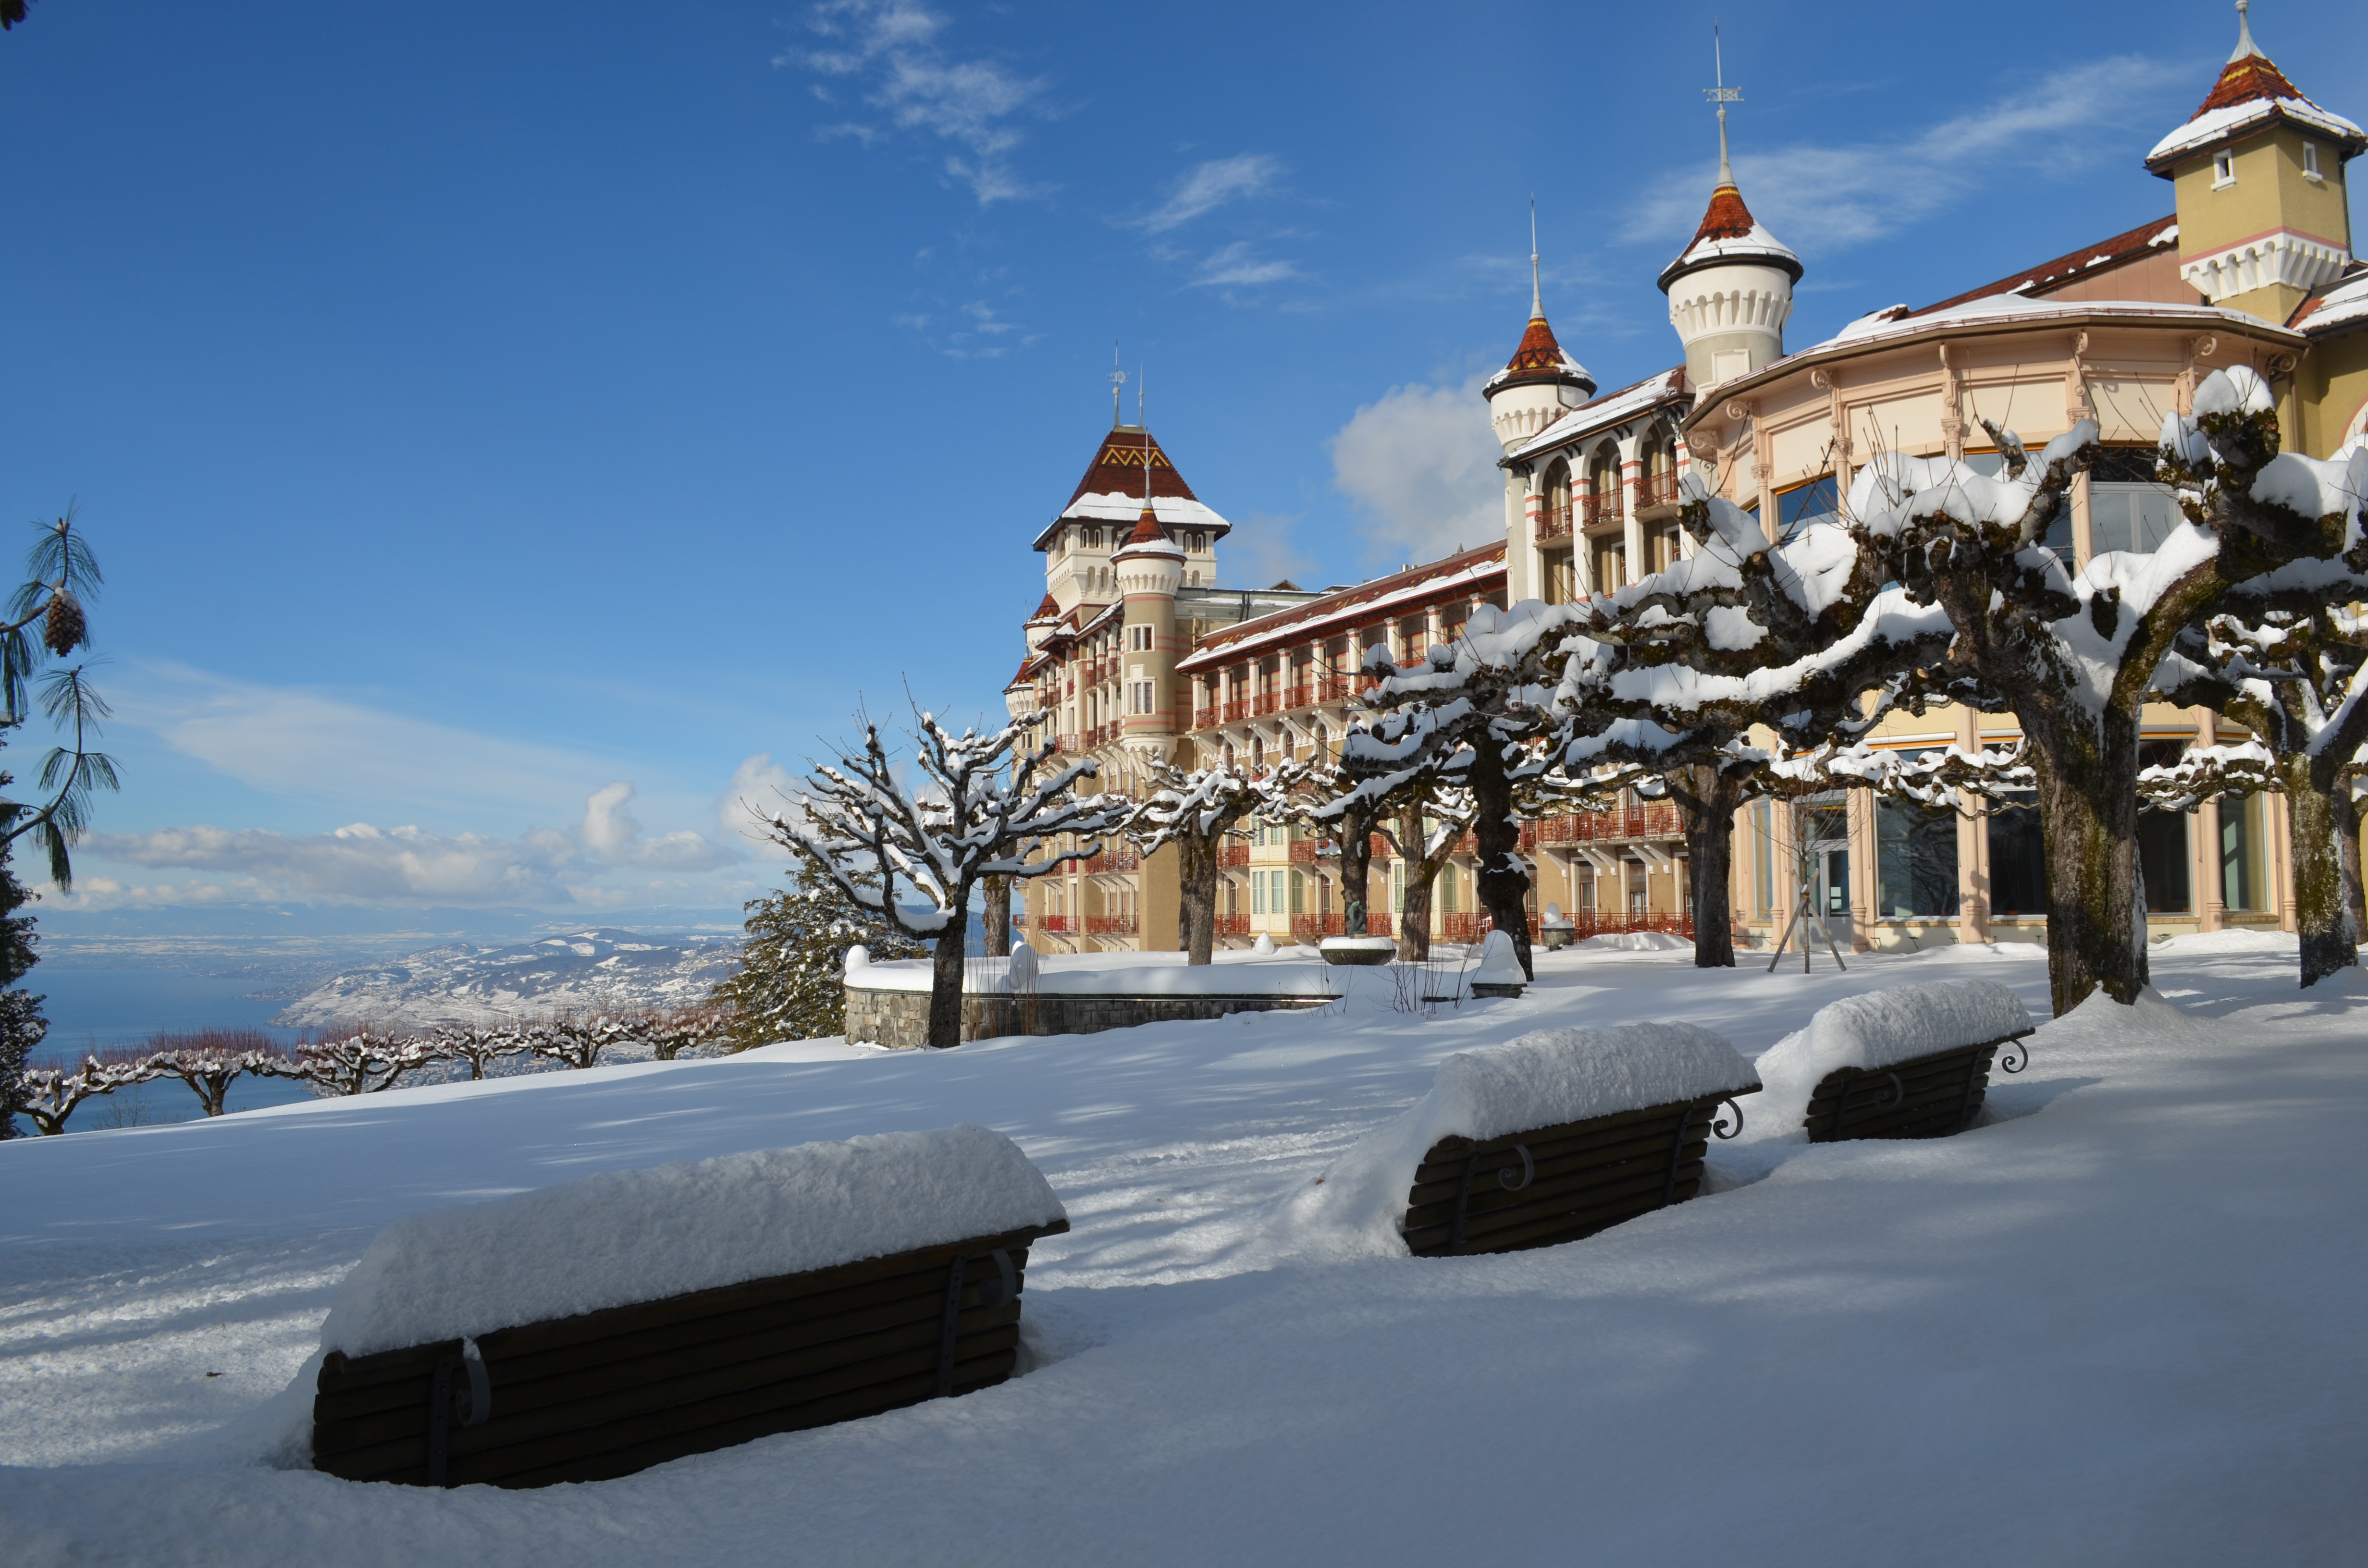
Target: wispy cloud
x,y
1237,265
1265,552
1206,187
894,47
1420,461
1831,196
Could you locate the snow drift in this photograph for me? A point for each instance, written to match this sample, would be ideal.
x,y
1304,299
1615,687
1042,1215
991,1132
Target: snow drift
x,y
1539,1080
626,1236
1881,1029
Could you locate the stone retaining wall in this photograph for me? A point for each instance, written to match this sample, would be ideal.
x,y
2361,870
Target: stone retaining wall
x,y
901,1018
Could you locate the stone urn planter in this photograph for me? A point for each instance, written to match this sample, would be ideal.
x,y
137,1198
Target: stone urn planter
x,y
1359,949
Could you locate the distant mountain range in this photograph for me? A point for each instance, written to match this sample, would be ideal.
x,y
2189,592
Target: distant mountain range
x,y
592,970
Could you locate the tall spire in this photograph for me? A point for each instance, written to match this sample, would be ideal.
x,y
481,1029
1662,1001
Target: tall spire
x,y
1723,94
1117,387
2245,44
1537,300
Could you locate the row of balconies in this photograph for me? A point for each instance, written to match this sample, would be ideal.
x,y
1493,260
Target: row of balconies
x,y
1077,924
1278,700
1588,511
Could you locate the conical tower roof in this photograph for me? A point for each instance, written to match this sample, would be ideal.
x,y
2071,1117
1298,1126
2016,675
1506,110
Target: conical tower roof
x,y
2250,92
1729,232
1149,538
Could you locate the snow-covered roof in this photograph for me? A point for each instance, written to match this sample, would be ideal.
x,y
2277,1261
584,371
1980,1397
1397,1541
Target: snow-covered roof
x,y
2249,95
1148,538
2015,310
2340,306
1474,571
1540,357
1729,232
1609,409
1112,488
2073,266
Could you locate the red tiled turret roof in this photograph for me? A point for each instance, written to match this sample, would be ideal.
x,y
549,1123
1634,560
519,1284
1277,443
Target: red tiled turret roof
x,y
2250,93
1727,218
1118,468
1048,610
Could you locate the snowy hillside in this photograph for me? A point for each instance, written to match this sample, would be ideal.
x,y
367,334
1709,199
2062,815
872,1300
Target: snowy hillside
x,y
2115,1323
582,972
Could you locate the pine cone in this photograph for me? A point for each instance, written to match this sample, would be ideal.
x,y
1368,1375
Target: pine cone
x,y
63,627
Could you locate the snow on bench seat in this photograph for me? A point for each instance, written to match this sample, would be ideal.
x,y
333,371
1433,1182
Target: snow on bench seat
x,y
598,1327
1911,1061
1548,1138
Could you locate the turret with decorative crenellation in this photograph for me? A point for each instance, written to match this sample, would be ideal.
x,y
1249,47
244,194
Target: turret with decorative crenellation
x,y
1731,290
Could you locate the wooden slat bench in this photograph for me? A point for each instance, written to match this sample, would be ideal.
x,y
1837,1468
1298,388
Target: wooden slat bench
x,y
1557,1184
605,1393
1925,1097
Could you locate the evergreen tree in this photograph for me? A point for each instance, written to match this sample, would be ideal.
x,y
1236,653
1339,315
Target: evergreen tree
x,y
794,963
21,1024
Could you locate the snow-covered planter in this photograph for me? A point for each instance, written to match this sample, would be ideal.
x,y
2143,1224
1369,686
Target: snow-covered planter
x,y
1358,950
1500,972
1912,1062
1548,1138
598,1327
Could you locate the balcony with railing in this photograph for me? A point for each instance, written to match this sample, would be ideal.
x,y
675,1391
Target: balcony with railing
x,y
1233,854
1554,523
1657,819
1266,702
1060,925
1233,926
1114,858
1657,490
1237,710
1595,509
1109,924
1306,851
1302,695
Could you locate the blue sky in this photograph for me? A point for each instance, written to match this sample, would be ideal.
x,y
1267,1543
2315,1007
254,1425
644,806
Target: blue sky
x,y
515,433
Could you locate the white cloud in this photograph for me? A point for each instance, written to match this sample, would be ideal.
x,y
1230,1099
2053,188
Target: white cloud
x,y
1205,186
1264,552
759,788
362,863
1833,197
1421,462
894,45
1235,266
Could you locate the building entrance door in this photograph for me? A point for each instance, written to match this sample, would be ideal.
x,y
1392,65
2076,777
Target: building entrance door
x,y
1833,890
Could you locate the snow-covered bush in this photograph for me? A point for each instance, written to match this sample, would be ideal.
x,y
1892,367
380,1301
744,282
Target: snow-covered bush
x,y
789,986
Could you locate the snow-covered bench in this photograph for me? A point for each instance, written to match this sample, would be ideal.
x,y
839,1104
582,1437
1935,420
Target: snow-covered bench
x,y
1548,1138
596,1328
1912,1062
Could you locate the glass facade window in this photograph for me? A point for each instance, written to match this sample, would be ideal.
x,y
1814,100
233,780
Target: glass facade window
x,y
1764,855
2163,858
1298,892
1991,465
1815,502
2017,861
2127,510
2241,882
1916,856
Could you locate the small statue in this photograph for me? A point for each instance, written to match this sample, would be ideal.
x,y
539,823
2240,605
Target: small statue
x,y
1353,916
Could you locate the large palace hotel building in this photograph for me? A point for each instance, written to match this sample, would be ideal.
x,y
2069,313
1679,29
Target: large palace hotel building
x,y
1136,652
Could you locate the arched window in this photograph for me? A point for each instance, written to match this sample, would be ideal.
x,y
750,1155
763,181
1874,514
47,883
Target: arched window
x,y
1603,485
1660,482
1555,521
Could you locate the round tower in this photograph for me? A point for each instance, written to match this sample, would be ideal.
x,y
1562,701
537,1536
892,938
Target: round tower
x,y
1149,568
1731,289
1539,383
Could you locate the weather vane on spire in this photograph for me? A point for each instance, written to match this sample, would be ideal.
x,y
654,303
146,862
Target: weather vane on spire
x,y
1117,389
1722,96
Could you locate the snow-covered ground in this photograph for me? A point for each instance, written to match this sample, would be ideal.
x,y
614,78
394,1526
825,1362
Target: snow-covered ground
x,y
2117,1322
580,971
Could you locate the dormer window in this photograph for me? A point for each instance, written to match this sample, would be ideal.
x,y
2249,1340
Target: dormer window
x,y
1093,539
2310,161
2224,169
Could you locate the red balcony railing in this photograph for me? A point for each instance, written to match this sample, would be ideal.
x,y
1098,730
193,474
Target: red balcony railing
x,y
1658,820
1594,510
1305,851
1585,922
1114,858
1298,695
1109,924
1268,701
1060,923
1233,854
1233,926
1237,710
1334,688
1554,523
1657,490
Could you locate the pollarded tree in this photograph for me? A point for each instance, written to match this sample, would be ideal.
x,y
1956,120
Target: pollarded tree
x,y
792,979
982,812
1674,671
1405,775
2074,657
1195,811
2298,679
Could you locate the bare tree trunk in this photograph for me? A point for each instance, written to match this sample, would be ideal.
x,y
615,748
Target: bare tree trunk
x,y
2345,809
1356,870
946,980
1414,920
1707,801
996,929
1196,889
1498,876
2312,834
2088,821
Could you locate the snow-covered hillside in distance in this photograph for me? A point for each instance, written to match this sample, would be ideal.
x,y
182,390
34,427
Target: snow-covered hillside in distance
x,y
600,970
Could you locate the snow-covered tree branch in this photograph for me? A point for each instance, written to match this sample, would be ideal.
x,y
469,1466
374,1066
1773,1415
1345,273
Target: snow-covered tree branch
x,y
1195,811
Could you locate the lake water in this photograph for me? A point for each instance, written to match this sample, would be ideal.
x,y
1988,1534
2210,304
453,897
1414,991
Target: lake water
x,y
91,1009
